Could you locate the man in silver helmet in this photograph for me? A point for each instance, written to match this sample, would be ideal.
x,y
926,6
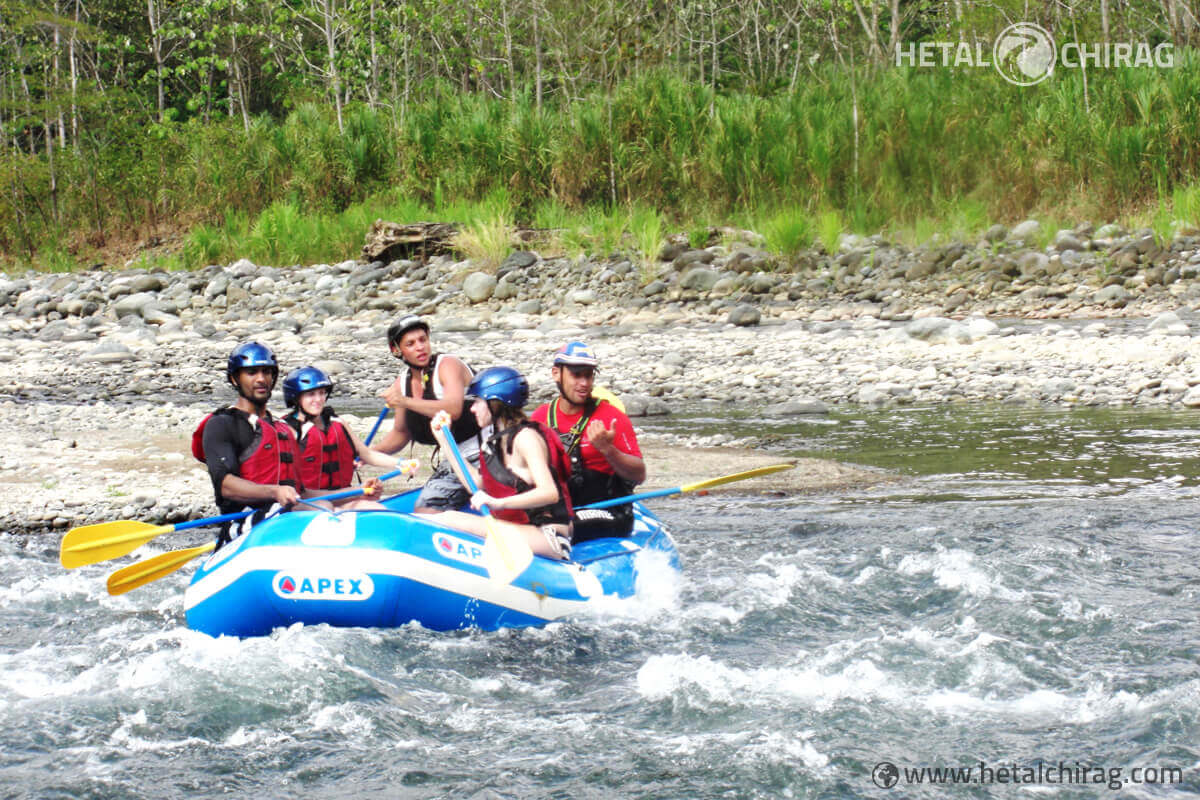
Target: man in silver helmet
x,y
433,382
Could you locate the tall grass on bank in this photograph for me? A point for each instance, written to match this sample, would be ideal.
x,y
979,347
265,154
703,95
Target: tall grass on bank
x,y
956,148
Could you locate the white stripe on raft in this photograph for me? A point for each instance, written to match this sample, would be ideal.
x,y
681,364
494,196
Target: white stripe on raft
x,y
382,562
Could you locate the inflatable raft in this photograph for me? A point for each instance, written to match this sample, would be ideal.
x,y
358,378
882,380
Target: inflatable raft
x,y
388,568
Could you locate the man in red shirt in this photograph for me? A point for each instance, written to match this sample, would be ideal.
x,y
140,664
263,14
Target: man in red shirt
x,y
606,461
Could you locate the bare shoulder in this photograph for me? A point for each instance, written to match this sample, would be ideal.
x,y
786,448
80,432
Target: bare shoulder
x,y
452,366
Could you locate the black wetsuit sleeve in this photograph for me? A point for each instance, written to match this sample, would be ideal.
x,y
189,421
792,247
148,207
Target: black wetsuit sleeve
x,y
222,443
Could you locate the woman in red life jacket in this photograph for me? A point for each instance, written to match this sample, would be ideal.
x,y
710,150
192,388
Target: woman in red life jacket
x,y
327,449
523,467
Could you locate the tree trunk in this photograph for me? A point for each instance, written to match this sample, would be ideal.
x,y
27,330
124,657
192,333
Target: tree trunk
x,y
537,60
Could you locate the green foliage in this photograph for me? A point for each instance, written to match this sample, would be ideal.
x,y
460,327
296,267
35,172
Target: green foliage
x,y
486,240
646,226
829,230
941,150
788,231
1186,202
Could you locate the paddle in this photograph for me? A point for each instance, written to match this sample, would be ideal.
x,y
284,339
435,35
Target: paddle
x,y
151,569
603,393
162,565
91,544
691,487
378,420
505,550
104,541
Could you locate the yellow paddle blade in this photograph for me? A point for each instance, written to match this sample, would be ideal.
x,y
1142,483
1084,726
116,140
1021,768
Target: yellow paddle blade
x,y
741,476
604,393
506,552
143,572
91,544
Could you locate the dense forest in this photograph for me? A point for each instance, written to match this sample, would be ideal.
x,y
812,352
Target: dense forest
x,y
211,119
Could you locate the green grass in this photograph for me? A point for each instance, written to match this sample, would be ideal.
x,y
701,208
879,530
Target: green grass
x,y
787,232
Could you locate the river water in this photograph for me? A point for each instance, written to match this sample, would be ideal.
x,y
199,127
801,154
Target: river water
x,y
1021,608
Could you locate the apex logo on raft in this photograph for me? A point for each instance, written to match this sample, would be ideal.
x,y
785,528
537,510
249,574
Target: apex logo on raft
x,y
323,587
458,549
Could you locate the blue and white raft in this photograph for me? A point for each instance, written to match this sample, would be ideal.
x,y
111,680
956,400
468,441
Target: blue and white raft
x,y
384,569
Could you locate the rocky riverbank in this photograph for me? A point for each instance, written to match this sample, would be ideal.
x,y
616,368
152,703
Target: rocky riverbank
x,y
104,374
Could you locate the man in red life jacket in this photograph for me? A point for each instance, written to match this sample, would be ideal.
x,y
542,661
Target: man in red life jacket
x,y
251,456
606,461
432,383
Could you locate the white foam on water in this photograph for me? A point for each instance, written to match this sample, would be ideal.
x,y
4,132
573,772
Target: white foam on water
x,y
56,586
703,682
790,749
866,575
241,738
131,734
956,570
345,719
656,596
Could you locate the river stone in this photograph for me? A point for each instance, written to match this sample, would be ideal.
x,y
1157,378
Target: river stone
x,y
584,297
744,315
653,288
694,257
802,405
157,314
533,306
1114,294
1028,232
979,327
506,289
522,259
54,331
216,287
1192,398
478,286
262,285
80,335
236,294
699,279
1168,322
457,325
936,329
243,268
996,233
109,352
149,283
133,304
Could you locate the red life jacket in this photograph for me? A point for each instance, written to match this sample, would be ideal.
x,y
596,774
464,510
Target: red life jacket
x,y
326,456
271,459
499,481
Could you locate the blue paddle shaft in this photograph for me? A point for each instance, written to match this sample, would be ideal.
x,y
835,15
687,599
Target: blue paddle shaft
x,y
620,501
200,523
387,476
378,421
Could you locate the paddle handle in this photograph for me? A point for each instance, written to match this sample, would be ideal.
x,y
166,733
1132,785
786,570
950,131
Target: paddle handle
x,y
200,523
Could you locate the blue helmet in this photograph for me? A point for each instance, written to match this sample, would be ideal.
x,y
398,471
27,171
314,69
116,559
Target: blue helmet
x,y
303,380
250,354
575,354
500,383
